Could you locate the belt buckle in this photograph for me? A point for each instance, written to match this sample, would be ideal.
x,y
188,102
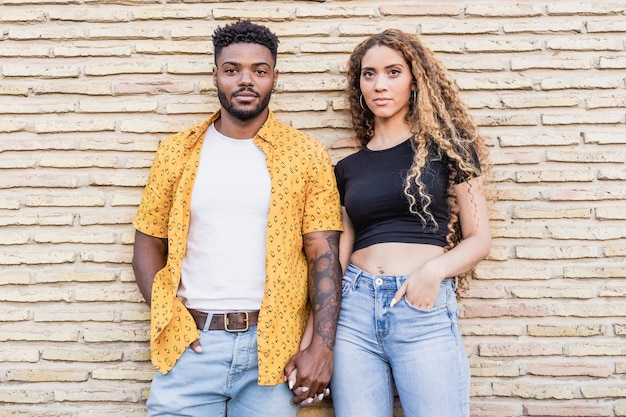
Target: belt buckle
x,y
247,321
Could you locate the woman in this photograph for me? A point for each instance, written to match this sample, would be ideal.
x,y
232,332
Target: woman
x,y
415,216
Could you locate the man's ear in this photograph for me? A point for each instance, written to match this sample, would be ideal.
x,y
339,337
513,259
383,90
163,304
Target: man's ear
x,y
275,79
215,76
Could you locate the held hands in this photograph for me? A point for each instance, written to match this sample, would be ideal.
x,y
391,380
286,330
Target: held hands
x,y
421,288
308,374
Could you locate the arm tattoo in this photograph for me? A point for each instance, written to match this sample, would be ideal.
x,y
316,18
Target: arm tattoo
x,y
322,250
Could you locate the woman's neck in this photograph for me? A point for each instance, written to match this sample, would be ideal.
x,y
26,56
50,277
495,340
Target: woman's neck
x,y
388,135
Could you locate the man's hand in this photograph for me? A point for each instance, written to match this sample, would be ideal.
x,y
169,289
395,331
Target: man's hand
x,y
196,346
308,374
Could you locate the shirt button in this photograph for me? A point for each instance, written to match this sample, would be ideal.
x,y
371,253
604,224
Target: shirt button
x,y
379,281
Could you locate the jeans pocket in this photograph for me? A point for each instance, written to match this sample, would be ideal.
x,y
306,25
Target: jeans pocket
x,y
440,304
346,287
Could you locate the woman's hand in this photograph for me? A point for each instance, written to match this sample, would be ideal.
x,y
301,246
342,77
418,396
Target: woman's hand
x,y
421,288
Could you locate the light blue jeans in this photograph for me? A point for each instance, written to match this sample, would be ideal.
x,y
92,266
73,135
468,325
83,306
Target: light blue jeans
x,y
221,381
420,350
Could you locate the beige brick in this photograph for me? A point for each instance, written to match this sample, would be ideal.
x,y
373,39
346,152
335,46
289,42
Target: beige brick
x,y
89,88
586,233
22,16
593,271
575,175
614,24
97,395
64,200
517,232
44,180
491,329
123,256
567,410
50,33
117,217
481,390
536,212
581,194
603,138
12,278
596,349
124,373
178,47
491,409
82,355
126,199
556,252
569,369
36,258
586,118
139,355
13,90
603,390
124,180
513,272
480,291
125,32
135,315
610,213
40,106
162,12
544,330
122,145
471,310
47,375
42,51
47,335
588,83
117,295
585,8
63,275
336,11
459,27
74,315
493,83
21,355
193,106
494,369
22,396
7,126
612,174
91,51
145,67
585,157
584,44
77,161
117,106
581,292
74,126
515,119
539,99
14,238
613,251
45,71
542,27
588,310
255,12
83,14
190,67
497,45
114,412
605,101
533,390
155,126
115,335
612,62
35,219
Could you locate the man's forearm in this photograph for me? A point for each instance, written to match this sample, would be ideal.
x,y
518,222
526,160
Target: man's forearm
x,y
149,257
324,283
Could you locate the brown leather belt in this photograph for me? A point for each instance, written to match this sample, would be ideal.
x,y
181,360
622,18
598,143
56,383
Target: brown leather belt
x,y
234,321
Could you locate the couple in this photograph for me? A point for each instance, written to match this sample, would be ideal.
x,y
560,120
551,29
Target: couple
x,y
244,229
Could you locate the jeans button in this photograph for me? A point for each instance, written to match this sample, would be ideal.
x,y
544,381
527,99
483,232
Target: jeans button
x,y
379,281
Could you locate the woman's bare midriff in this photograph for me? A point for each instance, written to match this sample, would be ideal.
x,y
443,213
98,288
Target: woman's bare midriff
x,y
394,258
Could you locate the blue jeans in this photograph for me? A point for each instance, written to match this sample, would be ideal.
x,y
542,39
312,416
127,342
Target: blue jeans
x,y
420,350
221,381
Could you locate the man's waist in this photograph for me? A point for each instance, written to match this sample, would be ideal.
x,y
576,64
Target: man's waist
x,y
230,321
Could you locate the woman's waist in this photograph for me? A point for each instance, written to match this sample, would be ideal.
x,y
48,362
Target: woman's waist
x,y
393,258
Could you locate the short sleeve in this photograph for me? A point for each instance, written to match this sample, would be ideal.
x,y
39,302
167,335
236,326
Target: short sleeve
x,y
153,213
322,210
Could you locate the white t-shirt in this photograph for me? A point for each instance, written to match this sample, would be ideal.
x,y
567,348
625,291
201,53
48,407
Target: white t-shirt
x,y
224,265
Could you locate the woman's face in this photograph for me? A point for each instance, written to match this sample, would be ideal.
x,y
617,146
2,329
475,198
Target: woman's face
x,y
386,82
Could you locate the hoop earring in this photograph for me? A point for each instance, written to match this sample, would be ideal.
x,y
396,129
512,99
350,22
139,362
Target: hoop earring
x,y
414,94
361,102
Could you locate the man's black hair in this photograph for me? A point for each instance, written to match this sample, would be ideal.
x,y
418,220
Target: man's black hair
x,y
244,31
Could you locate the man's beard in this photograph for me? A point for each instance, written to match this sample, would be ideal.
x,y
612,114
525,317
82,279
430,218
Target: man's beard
x,y
243,115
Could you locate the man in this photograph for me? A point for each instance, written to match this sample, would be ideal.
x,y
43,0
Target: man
x,y
237,230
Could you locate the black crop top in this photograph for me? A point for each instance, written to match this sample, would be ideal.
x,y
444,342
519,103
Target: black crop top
x,y
371,185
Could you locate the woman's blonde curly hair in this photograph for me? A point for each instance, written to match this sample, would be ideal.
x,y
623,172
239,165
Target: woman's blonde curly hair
x,y
439,121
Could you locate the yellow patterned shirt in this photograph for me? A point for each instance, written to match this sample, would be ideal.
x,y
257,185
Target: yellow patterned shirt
x,y
303,199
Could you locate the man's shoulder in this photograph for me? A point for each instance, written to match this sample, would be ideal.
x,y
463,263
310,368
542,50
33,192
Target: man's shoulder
x,y
294,136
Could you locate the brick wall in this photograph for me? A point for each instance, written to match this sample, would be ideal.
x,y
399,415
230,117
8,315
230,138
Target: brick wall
x,y
89,87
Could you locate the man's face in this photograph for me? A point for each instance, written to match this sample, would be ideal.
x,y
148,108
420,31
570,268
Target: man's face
x,y
245,77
